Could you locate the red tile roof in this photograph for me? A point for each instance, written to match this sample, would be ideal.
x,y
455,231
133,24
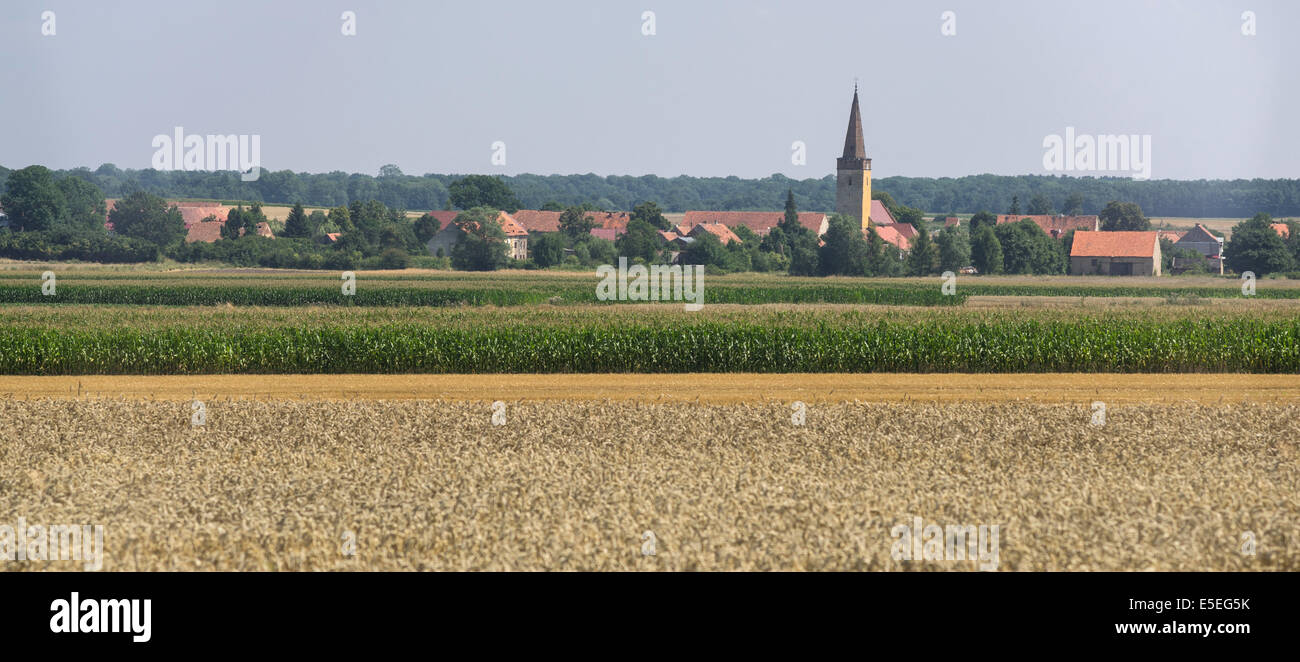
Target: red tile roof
x,y
1114,244
952,221
722,232
511,226
761,222
890,234
1055,225
191,211
1282,229
549,221
444,217
668,236
906,229
880,213
204,232
605,233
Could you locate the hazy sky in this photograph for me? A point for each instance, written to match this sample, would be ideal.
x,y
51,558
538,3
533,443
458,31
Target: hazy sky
x,y
722,88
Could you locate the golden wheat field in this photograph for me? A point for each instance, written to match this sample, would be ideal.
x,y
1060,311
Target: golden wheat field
x,y
573,485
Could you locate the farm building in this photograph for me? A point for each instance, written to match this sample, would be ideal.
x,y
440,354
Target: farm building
x,y
1200,239
722,232
1055,225
451,234
1115,254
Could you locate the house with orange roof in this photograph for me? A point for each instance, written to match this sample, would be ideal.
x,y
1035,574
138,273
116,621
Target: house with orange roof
x,y
1282,229
452,232
1115,253
722,232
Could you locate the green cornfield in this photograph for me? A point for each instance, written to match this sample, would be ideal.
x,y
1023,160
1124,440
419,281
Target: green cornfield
x,y
586,339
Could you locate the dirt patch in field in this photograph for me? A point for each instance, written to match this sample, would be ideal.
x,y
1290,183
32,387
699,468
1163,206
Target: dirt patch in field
x,y
707,388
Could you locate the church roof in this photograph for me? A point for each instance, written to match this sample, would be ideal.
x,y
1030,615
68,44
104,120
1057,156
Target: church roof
x,y
854,146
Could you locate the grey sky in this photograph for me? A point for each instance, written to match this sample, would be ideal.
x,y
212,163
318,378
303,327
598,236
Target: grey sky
x,y
723,88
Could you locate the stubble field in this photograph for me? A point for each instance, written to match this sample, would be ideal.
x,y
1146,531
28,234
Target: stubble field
x,y
568,485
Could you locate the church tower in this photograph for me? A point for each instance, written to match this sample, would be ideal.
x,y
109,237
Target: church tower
x,y
853,171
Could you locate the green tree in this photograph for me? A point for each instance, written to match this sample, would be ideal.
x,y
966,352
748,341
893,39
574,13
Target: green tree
x,y
911,215
924,255
954,249
483,248
296,225
1041,204
986,250
1073,205
844,252
803,258
341,218
980,219
1255,246
652,214
83,205
640,240
791,218
882,257
548,249
575,224
32,200
1015,206
1123,216
706,250
426,226
317,220
1026,249
145,216
482,191
234,223
551,205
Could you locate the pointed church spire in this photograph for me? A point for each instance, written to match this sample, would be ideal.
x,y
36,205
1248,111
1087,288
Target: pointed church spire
x,y
854,146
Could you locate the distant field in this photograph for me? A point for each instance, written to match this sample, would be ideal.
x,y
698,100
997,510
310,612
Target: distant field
x,y
1223,225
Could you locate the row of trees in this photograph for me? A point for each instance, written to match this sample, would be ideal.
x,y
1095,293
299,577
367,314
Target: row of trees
x,y
1038,194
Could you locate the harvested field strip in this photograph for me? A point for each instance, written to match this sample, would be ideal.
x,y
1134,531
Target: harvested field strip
x,y
419,293
935,344
573,485
751,388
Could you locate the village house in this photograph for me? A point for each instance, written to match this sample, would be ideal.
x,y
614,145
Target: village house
x,y
1200,239
1115,254
451,233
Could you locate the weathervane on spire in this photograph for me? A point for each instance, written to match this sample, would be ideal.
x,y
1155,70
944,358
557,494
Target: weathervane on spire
x,y
855,84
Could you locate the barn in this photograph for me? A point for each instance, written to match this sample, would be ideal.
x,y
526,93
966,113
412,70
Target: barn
x,y
1115,254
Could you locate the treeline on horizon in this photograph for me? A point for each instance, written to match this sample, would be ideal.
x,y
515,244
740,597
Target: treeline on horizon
x,y
1238,198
